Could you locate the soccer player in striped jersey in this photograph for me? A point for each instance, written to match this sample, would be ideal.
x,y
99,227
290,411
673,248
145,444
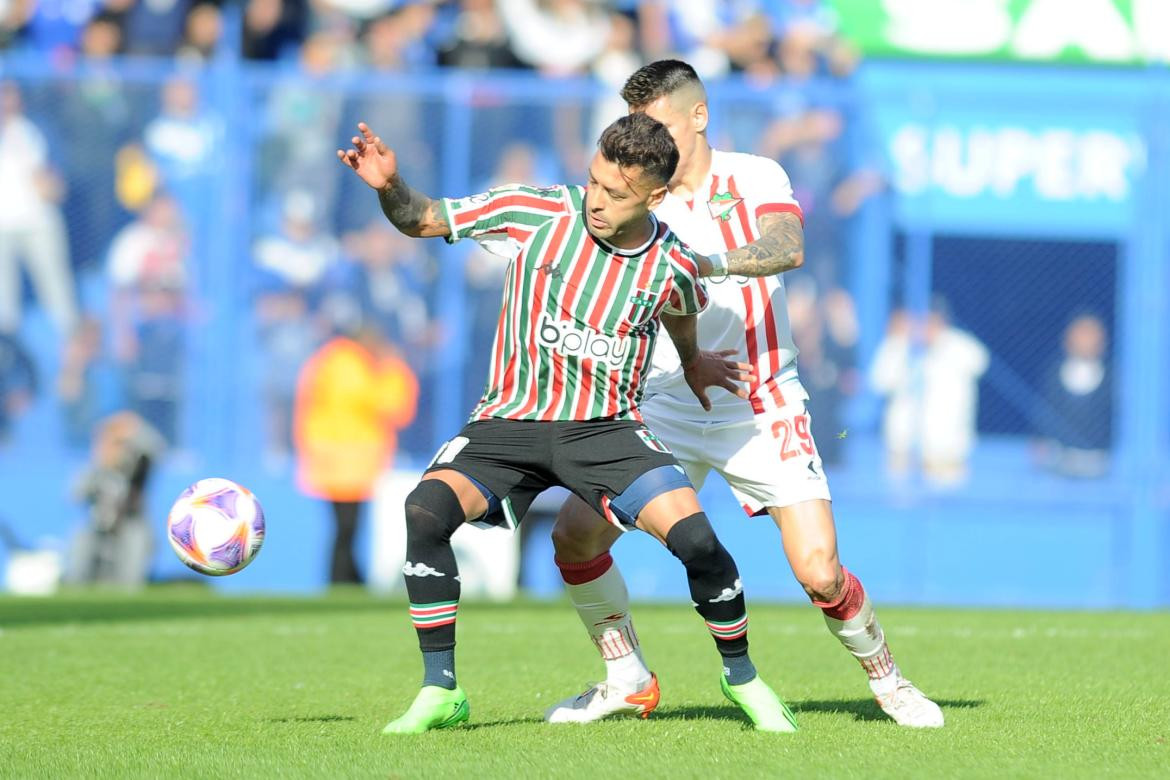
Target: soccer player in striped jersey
x,y
738,208
592,273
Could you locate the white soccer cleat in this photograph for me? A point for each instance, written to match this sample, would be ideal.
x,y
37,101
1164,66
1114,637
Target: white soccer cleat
x,y
603,701
907,705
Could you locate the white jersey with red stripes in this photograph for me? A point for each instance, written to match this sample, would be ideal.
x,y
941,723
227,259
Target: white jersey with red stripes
x,y
746,315
580,317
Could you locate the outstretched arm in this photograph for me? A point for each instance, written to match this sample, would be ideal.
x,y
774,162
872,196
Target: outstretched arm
x,y
411,212
779,248
704,369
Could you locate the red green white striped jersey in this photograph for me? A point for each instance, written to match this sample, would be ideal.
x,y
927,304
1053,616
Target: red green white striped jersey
x,y
579,317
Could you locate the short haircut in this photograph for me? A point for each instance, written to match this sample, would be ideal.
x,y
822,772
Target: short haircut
x,y
664,77
636,140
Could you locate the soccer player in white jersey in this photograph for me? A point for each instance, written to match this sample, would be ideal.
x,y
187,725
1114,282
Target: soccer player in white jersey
x,y
740,210
591,274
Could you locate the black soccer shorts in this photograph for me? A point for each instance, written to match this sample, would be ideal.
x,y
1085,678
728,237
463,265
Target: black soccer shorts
x,y
516,460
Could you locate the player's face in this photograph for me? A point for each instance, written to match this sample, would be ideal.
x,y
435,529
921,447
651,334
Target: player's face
x,y
684,118
618,202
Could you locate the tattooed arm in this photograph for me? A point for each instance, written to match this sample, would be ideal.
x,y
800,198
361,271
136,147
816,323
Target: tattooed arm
x,y
779,248
411,212
376,164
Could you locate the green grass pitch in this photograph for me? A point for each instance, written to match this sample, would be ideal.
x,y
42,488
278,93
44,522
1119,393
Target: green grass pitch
x,y
180,683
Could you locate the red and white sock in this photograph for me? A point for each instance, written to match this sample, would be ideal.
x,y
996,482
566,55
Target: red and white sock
x,y
599,594
851,618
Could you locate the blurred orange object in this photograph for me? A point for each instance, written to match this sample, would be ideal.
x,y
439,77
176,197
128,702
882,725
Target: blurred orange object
x,y
353,396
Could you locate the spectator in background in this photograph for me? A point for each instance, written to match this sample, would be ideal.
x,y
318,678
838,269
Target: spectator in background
x,y
556,37
32,230
353,396
400,40
148,273
13,19
714,36
810,144
116,543
1075,421
301,119
274,29
325,10
807,40
384,281
18,382
201,33
825,333
611,67
291,264
151,27
929,370
47,25
182,141
87,386
477,38
393,44
97,110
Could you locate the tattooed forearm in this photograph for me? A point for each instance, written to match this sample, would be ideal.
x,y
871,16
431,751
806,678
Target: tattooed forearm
x,y
779,248
685,335
411,212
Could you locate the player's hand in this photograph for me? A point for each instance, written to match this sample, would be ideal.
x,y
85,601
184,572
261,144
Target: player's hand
x,y
371,159
713,369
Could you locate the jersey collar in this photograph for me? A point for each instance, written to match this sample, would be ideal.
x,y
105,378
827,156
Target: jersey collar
x,y
617,250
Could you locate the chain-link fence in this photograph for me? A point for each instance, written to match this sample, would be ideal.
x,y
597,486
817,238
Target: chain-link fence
x,y
189,241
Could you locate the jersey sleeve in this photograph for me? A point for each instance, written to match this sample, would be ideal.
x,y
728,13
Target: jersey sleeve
x,y
502,219
687,293
774,190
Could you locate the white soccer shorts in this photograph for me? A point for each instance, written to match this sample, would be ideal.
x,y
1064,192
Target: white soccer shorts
x,y
769,460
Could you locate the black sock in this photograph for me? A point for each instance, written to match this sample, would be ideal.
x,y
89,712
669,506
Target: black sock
x,y
716,590
738,669
433,513
439,668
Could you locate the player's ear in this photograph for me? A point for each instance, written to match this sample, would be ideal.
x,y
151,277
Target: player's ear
x,y
699,117
655,197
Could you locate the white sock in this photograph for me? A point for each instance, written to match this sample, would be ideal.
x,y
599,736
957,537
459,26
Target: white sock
x,y
862,636
603,604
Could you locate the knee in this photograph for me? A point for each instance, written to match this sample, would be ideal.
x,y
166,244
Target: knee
x,y
433,509
580,534
571,541
693,539
821,577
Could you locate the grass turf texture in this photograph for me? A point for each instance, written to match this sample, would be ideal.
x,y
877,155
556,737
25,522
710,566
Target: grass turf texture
x,y
175,683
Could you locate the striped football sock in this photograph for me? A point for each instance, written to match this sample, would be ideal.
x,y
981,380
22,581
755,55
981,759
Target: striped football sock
x,y
599,595
851,618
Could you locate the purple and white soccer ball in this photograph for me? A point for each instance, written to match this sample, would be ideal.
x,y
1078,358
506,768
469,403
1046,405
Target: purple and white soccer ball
x,y
216,527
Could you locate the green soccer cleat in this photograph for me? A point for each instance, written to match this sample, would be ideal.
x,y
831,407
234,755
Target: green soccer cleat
x,y
433,708
761,704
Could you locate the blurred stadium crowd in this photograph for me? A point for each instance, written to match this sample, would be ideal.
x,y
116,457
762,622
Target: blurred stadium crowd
x,y
556,37
112,164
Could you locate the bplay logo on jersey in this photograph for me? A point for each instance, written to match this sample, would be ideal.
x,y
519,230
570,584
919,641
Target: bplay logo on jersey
x,y
564,337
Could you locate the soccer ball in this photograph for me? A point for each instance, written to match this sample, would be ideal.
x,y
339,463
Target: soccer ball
x,y
216,527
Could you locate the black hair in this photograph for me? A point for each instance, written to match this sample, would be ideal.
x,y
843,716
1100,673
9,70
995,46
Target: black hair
x,y
637,141
664,77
